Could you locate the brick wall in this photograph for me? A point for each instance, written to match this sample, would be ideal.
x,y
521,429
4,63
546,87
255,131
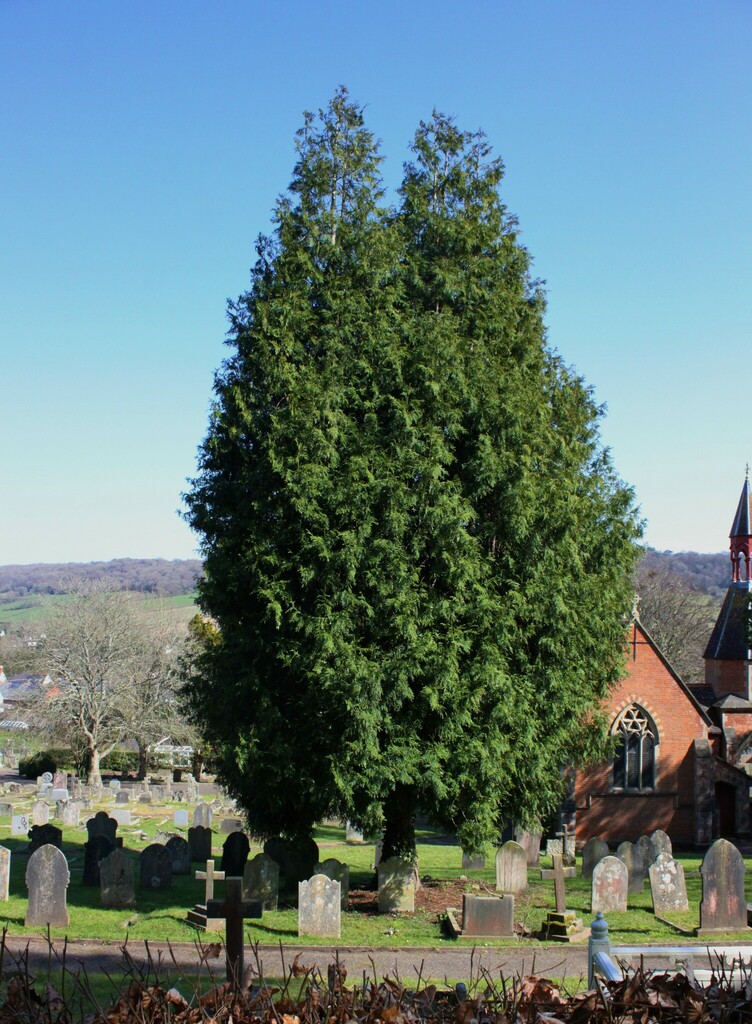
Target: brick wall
x,y
617,816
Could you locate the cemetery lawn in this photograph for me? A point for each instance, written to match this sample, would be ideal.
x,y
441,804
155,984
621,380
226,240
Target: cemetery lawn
x,y
160,915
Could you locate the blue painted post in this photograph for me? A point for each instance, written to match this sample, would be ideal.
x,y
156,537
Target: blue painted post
x,y
598,942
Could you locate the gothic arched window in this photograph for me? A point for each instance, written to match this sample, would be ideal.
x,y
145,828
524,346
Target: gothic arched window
x,y
634,763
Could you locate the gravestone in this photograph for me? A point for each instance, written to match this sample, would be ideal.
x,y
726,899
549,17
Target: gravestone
x,y
6,810
180,818
610,884
4,872
180,852
487,917
231,825
47,878
200,842
145,798
122,797
19,825
95,850
658,843
396,886
155,867
630,854
338,872
116,879
723,907
530,843
72,814
45,779
122,815
40,812
511,868
59,780
115,785
235,851
261,881
58,795
319,903
560,925
378,851
296,860
352,834
102,825
202,816
644,844
595,850
667,885
43,835
233,908
473,862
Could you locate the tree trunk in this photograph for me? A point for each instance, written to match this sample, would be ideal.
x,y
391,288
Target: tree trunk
x,y
399,830
143,766
95,775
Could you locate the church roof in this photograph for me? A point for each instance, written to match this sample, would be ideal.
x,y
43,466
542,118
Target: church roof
x,y
730,638
742,525
732,702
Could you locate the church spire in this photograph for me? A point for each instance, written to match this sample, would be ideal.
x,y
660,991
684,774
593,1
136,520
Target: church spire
x,y
741,535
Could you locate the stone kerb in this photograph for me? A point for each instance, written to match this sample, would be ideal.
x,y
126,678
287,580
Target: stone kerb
x,y
319,901
511,868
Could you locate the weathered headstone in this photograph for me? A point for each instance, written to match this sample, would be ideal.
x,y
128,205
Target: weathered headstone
x,y
6,810
4,872
47,878
473,862
511,868
610,884
487,917
180,852
723,907
658,843
231,825
40,812
72,814
667,885
530,843
396,886
19,825
296,860
116,879
630,854
235,851
233,908
644,844
95,850
115,785
595,850
122,815
155,867
202,815
122,797
59,796
200,842
59,780
43,835
319,903
338,872
180,818
352,834
102,825
261,881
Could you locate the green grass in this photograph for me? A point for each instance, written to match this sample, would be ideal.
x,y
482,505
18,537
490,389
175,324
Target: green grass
x,y
33,609
161,915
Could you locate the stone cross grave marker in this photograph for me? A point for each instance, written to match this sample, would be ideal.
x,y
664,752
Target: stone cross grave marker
x,y
209,875
116,877
560,895
319,903
233,908
560,924
4,872
631,855
235,851
658,843
47,878
667,885
338,872
511,868
595,850
396,886
723,906
610,884
261,881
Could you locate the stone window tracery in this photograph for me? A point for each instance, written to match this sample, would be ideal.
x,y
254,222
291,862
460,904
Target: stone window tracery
x,y
634,763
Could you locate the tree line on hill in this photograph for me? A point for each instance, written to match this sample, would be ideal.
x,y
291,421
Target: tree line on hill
x,y
158,576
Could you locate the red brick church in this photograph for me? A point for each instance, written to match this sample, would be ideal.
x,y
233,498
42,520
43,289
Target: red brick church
x,y
683,758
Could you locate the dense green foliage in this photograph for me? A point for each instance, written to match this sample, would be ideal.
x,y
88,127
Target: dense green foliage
x,y
417,555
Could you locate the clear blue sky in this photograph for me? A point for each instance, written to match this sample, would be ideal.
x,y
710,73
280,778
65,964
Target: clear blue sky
x,y
143,145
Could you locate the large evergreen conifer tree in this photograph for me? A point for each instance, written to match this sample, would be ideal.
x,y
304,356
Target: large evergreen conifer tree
x,y
417,555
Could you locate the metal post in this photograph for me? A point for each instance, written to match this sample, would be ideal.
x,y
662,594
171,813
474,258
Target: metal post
x,y
597,943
